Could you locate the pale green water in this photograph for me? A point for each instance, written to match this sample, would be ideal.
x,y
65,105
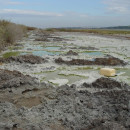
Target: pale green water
x,y
35,50
32,47
95,53
52,48
41,53
38,50
55,74
127,72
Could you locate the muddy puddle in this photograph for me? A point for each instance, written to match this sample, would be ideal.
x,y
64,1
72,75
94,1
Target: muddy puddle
x,y
72,77
42,53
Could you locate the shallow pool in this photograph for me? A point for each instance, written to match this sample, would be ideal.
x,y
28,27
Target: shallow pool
x,y
33,47
94,53
41,53
55,74
52,48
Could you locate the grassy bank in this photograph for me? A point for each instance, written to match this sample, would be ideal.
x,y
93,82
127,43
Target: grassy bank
x,y
11,32
95,31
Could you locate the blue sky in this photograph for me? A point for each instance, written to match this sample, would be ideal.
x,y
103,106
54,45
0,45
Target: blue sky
x,y
66,13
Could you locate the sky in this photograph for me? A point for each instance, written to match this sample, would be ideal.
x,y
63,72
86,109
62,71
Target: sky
x,y
66,13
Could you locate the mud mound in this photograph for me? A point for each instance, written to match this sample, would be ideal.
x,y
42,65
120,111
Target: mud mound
x,y
25,59
68,109
42,39
9,79
70,52
106,83
111,61
88,48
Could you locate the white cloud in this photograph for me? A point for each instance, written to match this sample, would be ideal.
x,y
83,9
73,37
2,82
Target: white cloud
x,y
14,3
10,2
29,12
118,6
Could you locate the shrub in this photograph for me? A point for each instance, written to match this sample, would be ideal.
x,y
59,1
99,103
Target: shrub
x,y
10,33
13,32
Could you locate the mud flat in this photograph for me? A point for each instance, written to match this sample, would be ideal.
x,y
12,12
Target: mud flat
x,y
52,82
85,54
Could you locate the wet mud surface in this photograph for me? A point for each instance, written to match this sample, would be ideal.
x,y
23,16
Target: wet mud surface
x,y
89,101
70,52
9,79
24,59
66,107
46,37
111,61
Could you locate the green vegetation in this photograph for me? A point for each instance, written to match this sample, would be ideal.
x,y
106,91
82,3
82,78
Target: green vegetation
x,y
14,48
95,31
83,68
118,27
11,32
9,54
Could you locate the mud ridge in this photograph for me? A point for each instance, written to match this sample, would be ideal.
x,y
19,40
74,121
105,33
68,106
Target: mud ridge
x,y
110,61
47,37
9,79
70,52
24,59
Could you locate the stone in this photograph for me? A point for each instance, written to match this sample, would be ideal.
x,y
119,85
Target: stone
x,y
107,72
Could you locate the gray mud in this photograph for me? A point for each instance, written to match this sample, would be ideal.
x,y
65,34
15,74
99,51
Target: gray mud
x,y
70,52
29,102
66,108
111,61
47,37
24,59
9,79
